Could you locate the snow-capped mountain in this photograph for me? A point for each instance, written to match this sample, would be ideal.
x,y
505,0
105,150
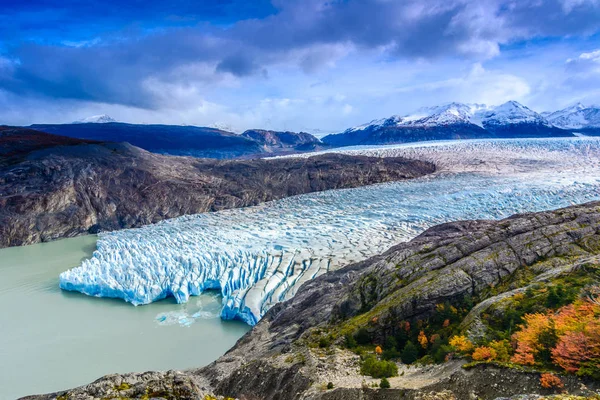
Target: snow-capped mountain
x,y
96,119
451,121
447,114
577,116
510,112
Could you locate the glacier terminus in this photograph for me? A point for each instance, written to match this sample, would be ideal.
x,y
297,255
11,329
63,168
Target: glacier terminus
x,y
259,256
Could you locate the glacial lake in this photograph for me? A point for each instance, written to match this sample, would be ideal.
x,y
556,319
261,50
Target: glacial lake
x,y
52,340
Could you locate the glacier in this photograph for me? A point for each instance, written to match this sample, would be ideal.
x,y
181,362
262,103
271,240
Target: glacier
x,y
259,256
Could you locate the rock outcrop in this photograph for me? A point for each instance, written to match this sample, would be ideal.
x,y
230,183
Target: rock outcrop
x,y
53,187
275,141
277,361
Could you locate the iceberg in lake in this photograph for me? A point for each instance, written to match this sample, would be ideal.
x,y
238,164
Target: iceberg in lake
x,y
261,255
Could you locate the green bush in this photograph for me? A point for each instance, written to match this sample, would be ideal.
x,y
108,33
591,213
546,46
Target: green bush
x,y
441,352
390,354
330,385
350,341
390,343
324,342
410,353
378,369
362,336
384,384
426,360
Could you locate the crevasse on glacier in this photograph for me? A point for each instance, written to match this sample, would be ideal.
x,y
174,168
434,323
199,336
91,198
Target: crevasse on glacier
x,y
259,256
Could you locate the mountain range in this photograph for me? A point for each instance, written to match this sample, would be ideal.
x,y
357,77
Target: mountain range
x,y
472,121
444,122
186,140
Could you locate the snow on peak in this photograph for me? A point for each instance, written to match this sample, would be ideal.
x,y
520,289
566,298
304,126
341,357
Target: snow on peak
x,y
96,119
446,114
376,123
576,116
511,112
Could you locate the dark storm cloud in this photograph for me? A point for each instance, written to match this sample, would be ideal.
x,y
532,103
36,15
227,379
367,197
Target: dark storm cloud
x,y
116,68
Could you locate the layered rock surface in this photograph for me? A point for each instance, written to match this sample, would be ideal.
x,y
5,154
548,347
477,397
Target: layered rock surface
x,y
446,262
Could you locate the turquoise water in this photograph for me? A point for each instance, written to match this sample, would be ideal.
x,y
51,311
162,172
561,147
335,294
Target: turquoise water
x,y
52,339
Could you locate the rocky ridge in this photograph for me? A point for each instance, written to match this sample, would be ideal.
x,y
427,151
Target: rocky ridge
x,y
277,359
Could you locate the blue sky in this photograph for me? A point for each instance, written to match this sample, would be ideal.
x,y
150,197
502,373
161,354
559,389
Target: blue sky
x,y
313,65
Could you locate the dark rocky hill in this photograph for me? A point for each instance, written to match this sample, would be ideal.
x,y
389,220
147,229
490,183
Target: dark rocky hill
x,y
17,142
53,187
187,140
406,134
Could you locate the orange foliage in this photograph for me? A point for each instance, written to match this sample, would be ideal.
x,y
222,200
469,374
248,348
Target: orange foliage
x,y
434,338
577,327
461,343
423,339
550,381
378,350
528,345
484,353
446,323
572,349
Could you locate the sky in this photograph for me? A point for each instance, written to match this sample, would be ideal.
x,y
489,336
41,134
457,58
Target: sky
x,y
307,65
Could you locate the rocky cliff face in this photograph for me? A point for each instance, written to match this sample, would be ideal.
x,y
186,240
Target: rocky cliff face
x,y
277,141
53,187
482,259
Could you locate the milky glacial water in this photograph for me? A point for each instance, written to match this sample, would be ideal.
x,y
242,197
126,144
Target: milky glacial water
x,y
51,339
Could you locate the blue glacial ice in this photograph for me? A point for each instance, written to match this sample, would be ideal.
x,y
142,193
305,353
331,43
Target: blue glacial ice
x,y
261,255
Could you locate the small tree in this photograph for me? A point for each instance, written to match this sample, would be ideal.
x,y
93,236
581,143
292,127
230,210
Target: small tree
x,y
410,353
390,343
350,341
330,385
551,381
423,340
362,336
461,343
502,348
384,384
484,353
